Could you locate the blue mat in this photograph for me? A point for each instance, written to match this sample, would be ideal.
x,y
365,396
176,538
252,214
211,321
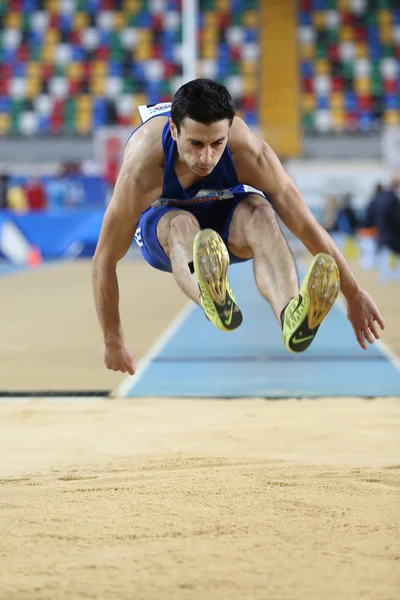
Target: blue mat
x,y
200,361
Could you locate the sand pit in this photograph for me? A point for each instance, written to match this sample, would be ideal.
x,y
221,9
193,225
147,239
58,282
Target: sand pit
x,y
200,499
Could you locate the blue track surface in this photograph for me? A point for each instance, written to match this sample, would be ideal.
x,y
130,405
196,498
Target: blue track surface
x,y
200,361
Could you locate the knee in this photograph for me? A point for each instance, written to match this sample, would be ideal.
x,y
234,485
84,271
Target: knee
x,y
263,217
182,226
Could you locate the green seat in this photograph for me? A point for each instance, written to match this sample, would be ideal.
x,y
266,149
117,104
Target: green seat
x,y
347,69
388,51
128,86
308,121
321,51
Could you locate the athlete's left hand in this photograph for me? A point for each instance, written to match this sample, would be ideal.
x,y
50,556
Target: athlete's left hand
x,y
364,316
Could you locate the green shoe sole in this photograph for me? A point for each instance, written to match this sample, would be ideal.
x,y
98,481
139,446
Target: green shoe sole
x,y
306,311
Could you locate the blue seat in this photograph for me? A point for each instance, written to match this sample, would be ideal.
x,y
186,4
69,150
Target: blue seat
x,y
305,18
250,35
5,104
43,125
250,118
65,23
366,121
322,102
115,69
144,20
350,101
307,68
104,37
392,101
78,53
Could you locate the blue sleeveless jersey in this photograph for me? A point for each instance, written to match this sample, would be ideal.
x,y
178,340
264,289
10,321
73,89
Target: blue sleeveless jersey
x,y
212,201
221,184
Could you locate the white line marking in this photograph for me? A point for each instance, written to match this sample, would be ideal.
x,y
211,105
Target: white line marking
x,y
127,385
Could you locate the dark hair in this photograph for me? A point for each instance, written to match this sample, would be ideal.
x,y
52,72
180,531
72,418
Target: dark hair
x,y
204,101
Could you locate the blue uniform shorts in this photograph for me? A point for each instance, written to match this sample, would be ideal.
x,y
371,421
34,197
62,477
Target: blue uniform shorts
x,y
214,215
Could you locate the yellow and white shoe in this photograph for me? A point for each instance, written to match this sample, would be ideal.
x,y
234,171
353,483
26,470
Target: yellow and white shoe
x,y
306,311
210,263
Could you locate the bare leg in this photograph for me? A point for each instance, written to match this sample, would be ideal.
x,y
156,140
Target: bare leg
x,y
255,232
176,232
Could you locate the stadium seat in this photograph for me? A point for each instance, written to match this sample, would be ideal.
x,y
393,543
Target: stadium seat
x,y
356,45
104,51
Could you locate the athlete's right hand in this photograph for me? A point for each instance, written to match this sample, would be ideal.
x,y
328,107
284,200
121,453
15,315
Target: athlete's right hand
x,y
120,357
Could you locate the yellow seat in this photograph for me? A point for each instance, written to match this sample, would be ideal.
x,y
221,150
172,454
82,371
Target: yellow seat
x,y
343,5
337,101
145,36
81,20
208,51
210,36
249,68
142,52
251,19
362,85
362,50
52,36
84,103
4,123
322,67
119,19
338,119
47,53
391,117
223,5
139,100
385,18
13,20
386,34
307,51
83,127
346,33
33,87
97,86
99,68
135,118
33,69
308,101
74,70
318,19
210,19
131,6
250,85
53,6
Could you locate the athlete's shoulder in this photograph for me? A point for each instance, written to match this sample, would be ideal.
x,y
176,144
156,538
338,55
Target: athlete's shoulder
x,y
242,139
144,152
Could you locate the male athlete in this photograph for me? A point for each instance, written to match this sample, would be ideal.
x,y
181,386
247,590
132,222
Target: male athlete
x,y
201,191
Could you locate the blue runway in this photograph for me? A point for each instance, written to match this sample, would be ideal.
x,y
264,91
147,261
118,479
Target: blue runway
x,y
200,361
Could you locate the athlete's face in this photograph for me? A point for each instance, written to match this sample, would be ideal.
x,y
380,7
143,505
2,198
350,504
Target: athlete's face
x,y
201,146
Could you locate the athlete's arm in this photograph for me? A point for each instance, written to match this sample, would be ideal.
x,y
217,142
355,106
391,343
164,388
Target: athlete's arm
x,y
136,188
257,165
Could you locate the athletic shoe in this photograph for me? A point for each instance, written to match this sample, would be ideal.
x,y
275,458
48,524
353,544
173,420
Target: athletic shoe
x,y
305,312
211,262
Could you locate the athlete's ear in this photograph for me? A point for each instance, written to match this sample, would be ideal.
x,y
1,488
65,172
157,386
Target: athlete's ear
x,y
173,130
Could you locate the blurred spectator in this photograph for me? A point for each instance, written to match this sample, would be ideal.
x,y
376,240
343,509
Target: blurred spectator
x,y
347,221
388,217
371,212
3,190
35,195
16,199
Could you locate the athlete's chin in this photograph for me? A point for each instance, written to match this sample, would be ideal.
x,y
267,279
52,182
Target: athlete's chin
x,y
203,170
